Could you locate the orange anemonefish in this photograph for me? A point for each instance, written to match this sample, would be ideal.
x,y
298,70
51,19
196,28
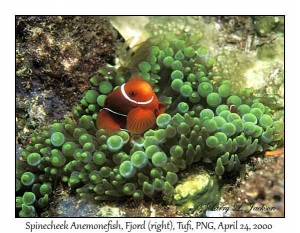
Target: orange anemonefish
x,y
279,151
133,107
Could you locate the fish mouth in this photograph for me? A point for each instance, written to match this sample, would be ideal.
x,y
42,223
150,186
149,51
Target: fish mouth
x,y
133,101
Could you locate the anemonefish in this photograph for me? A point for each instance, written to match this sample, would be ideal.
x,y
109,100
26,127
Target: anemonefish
x,y
232,108
277,152
133,107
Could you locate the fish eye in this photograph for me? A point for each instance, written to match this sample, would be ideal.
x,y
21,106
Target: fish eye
x,y
132,93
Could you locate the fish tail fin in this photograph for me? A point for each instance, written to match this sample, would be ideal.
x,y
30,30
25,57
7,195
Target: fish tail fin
x,y
106,121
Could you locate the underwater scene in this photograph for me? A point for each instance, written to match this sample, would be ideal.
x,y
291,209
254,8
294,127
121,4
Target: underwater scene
x,y
149,116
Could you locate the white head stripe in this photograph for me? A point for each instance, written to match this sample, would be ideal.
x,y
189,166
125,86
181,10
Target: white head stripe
x,y
114,112
131,100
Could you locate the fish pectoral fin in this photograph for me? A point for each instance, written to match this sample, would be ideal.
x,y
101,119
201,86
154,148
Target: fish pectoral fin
x,y
139,120
106,121
161,108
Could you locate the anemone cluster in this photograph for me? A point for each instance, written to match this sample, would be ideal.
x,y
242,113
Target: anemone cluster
x,y
204,122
